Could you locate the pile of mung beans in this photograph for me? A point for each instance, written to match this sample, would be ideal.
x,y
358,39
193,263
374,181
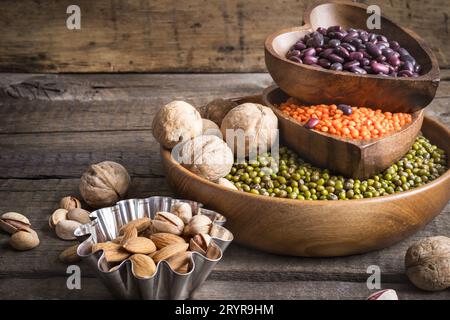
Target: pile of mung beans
x,y
291,177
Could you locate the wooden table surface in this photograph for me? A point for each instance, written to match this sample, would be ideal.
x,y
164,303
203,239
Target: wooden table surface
x,y
53,126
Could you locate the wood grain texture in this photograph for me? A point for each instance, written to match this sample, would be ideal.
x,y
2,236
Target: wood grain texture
x,y
162,35
349,157
39,167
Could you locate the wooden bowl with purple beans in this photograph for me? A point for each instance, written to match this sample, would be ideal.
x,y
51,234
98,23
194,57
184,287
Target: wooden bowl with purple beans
x,y
335,58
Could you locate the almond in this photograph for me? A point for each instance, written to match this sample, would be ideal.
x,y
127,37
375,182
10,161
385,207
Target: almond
x,y
142,266
140,224
180,260
130,233
139,245
162,239
70,255
113,252
169,251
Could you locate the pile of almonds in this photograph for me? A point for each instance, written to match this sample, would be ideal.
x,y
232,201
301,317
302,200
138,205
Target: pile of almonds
x,y
69,217
170,236
19,227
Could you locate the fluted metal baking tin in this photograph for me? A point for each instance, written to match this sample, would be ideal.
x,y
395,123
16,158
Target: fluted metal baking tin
x,y
166,283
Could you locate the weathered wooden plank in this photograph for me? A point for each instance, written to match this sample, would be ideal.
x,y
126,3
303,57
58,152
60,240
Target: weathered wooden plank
x,y
162,36
197,88
92,289
38,198
129,102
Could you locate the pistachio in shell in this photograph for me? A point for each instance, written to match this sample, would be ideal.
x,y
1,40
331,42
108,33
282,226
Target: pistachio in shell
x,y
80,215
65,229
11,222
57,216
24,240
69,203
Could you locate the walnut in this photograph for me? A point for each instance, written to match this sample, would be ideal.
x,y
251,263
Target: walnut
x,y
103,184
210,128
217,109
427,263
207,156
258,124
176,122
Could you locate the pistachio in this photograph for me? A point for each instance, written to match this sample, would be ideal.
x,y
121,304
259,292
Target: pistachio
x,y
213,251
167,222
12,222
179,261
65,229
198,224
200,243
162,239
70,255
169,251
80,215
69,203
24,240
142,266
56,217
183,211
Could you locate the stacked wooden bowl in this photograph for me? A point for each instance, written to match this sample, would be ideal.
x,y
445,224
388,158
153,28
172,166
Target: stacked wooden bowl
x,y
334,228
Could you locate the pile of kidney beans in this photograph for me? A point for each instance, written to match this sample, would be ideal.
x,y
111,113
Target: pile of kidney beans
x,y
354,50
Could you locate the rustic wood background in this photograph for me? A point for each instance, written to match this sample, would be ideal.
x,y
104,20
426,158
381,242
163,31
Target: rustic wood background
x,y
52,127
173,36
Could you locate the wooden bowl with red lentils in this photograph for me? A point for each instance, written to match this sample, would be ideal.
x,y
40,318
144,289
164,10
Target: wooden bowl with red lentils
x,y
355,141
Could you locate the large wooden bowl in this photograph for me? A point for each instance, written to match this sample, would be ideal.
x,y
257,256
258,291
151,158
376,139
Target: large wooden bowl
x,y
387,93
349,157
319,228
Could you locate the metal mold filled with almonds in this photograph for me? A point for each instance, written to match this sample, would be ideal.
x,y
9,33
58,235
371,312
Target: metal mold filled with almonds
x,y
154,248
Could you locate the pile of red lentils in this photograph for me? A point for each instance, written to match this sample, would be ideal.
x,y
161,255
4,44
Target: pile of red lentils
x,y
358,123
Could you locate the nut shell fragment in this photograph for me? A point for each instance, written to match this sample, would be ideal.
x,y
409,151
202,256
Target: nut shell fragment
x,y
80,215
69,203
65,229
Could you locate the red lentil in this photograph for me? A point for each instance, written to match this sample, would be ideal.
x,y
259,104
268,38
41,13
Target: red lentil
x,y
363,124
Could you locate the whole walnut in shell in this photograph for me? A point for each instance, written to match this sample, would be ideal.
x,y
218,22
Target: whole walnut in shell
x,y
104,183
217,109
427,263
207,156
256,122
177,121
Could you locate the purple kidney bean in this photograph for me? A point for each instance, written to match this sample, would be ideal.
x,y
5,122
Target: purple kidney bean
x,y
356,56
346,109
382,45
378,67
335,58
339,35
322,30
381,58
365,62
358,70
324,63
373,50
372,37
365,53
294,53
336,66
341,51
309,52
351,64
403,52
312,122
350,35
394,45
299,46
368,69
405,73
417,68
316,40
334,43
410,59
335,28
296,59
348,47
387,52
310,60
408,66
325,53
